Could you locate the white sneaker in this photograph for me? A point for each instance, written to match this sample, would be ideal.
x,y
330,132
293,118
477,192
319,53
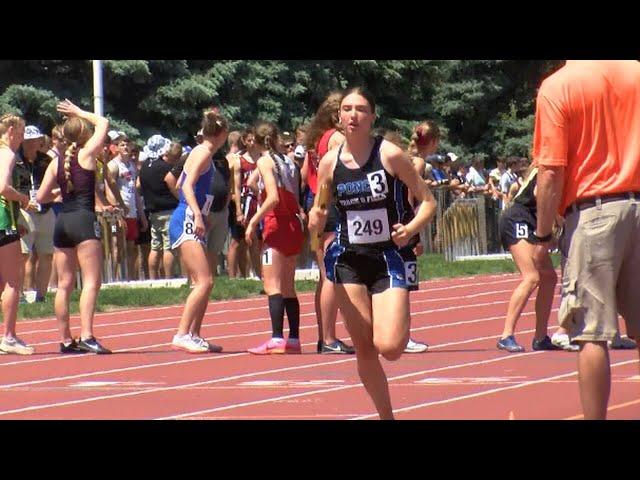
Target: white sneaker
x,y
415,347
563,341
15,345
186,342
203,343
199,341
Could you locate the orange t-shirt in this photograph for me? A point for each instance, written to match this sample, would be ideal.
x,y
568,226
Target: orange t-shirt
x,y
588,121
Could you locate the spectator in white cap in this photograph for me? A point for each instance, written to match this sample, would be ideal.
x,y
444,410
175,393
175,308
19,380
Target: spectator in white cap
x,y
37,245
199,138
114,136
161,154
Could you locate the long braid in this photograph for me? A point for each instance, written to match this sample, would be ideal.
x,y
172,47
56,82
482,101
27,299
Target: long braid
x,y
71,151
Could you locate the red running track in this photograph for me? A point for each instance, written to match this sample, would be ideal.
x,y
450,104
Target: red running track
x,y
463,376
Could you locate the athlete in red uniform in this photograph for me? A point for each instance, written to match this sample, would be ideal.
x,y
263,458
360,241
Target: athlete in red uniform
x,y
283,238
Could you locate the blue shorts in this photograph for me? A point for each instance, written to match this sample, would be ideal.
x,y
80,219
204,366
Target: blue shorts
x,y
378,270
182,227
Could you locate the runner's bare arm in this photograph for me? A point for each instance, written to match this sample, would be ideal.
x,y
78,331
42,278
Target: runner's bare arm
x,y
398,164
317,215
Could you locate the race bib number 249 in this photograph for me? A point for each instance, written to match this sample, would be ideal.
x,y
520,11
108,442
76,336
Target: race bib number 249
x,y
368,226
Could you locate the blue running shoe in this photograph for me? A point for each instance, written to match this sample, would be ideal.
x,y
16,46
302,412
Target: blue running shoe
x,y
510,345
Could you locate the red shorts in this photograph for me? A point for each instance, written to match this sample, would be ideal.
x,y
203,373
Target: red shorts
x,y
283,234
132,229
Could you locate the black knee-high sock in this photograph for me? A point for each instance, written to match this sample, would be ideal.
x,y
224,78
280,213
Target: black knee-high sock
x,y
276,311
292,306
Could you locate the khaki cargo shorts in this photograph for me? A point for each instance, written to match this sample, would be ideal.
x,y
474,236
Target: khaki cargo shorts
x,y
600,249
160,230
40,236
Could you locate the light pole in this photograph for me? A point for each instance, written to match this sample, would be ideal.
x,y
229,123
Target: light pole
x,y
98,97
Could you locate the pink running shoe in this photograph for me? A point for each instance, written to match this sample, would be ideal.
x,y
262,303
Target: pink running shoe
x,y
293,346
274,345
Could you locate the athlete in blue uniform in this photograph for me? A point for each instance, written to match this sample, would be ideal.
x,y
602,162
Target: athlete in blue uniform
x,y
371,261
187,231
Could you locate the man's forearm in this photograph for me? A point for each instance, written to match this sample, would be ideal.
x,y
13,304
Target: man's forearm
x,y
550,184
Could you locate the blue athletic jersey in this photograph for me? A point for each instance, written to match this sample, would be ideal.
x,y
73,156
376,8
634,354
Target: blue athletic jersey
x,y
182,223
202,190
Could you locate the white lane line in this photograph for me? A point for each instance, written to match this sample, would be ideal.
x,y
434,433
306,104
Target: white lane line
x,y
398,377
197,359
337,389
208,382
244,335
428,288
609,409
489,392
224,379
164,389
241,322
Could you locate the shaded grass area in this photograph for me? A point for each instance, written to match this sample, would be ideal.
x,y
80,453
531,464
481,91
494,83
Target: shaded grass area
x,y
430,266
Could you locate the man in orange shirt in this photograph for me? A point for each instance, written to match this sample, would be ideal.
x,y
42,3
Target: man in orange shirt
x,y
587,145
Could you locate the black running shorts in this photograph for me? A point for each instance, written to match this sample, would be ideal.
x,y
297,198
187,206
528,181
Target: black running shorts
x,y
7,238
73,228
378,270
516,223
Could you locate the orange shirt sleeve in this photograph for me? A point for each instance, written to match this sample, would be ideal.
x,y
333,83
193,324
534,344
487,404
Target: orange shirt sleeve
x,y
551,135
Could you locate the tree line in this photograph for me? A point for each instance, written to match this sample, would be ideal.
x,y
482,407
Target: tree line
x,y
484,107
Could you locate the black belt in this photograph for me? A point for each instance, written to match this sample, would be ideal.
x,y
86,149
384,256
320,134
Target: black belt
x,y
593,201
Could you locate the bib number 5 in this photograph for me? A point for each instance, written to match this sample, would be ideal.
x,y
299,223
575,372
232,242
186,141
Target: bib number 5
x,y
522,230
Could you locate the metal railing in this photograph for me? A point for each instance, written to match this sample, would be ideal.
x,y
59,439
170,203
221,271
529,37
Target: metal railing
x,y
463,226
111,228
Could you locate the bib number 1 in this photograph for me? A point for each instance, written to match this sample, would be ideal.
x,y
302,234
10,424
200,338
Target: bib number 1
x,y
267,257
